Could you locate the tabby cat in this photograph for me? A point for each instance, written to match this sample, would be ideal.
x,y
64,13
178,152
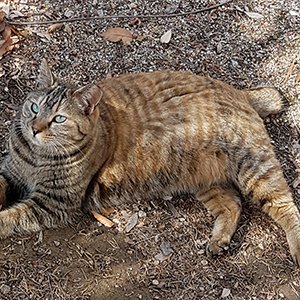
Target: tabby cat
x,y
140,136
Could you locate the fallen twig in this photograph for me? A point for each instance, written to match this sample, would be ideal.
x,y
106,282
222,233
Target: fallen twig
x,y
78,19
289,71
103,220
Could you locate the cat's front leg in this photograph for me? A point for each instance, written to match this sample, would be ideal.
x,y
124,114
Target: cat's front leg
x,y
32,215
3,191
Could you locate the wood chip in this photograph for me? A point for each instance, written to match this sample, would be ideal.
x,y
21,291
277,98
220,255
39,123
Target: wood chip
x,y
103,220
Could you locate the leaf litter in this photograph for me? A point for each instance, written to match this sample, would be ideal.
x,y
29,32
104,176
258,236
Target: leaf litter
x,y
187,274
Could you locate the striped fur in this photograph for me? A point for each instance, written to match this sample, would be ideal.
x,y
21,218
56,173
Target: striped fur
x,y
140,136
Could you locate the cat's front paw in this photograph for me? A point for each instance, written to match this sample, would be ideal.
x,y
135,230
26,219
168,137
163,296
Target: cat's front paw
x,y
218,245
293,238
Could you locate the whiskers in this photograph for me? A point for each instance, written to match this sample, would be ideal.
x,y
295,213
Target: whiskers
x,y
68,146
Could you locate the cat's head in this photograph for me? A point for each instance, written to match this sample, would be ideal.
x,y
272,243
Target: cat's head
x,y
57,116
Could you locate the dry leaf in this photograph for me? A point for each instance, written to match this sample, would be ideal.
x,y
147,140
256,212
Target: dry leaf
x,y
15,14
55,27
45,36
297,79
118,34
103,220
4,8
131,222
253,15
135,21
166,37
5,36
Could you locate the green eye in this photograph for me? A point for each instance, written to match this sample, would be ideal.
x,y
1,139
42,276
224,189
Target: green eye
x,y
35,108
59,119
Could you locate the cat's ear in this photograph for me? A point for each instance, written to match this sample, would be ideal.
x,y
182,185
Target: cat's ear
x,y
45,78
88,97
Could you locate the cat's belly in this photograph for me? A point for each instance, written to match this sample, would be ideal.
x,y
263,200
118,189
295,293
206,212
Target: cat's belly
x,y
134,183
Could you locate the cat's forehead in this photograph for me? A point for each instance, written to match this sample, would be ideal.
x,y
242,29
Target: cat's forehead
x,y
51,97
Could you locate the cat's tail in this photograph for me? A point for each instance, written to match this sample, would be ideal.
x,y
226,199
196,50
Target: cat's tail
x,y
265,100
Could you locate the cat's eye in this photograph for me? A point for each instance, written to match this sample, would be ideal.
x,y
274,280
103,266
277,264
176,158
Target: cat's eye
x,y
35,108
59,119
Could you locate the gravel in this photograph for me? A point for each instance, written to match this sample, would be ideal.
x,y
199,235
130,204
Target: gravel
x,y
223,43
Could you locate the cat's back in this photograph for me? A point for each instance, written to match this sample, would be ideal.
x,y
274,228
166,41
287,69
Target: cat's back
x,y
172,97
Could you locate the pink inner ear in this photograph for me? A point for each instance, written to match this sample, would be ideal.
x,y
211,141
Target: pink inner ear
x,y
96,95
89,96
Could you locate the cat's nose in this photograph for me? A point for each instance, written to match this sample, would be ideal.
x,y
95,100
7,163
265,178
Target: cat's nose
x,y
35,130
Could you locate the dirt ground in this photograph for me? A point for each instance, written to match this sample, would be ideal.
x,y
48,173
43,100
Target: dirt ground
x,y
163,256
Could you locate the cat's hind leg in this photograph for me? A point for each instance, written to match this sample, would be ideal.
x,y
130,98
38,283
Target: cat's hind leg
x,y
224,204
260,177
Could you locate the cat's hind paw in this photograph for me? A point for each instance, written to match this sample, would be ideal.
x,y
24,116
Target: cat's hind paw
x,y
293,239
217,246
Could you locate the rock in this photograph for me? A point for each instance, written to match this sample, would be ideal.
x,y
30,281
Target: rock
x,y
225,293
155,282
165,248
4,289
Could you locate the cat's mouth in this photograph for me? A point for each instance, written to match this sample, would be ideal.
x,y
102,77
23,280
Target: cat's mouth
x,y
40,139
37,140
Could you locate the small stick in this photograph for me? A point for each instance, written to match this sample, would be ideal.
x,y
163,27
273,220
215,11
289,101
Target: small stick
x,y
78,19
103,220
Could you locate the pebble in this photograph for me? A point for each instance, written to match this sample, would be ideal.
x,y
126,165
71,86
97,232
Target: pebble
x,y
155,282
4,289
56,243
225,293
142,214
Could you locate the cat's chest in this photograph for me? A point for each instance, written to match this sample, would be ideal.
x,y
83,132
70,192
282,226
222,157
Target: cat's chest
x,y
39,171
